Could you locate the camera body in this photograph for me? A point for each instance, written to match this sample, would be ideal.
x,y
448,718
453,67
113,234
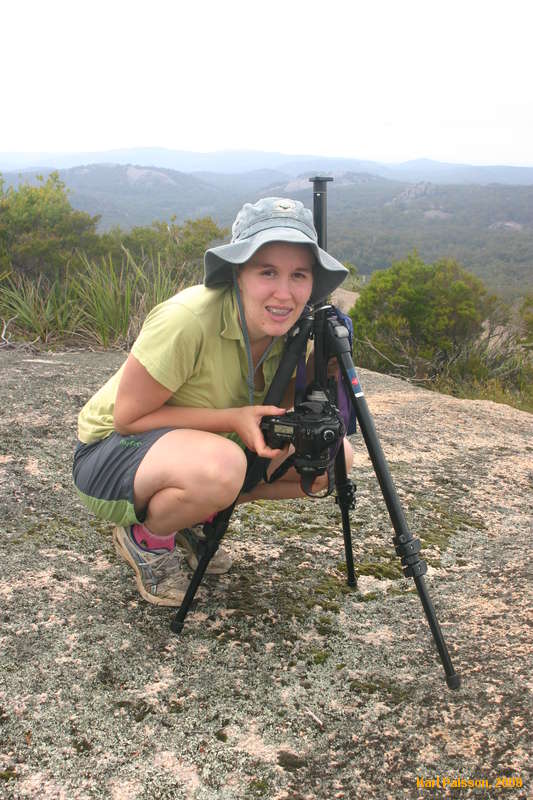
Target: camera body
x,y
315,429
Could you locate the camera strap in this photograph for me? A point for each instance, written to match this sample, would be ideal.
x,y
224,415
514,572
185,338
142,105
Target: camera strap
x,y
280,471
306,480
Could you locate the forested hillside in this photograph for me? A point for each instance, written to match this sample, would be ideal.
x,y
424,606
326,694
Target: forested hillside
x,y
373,221
488,229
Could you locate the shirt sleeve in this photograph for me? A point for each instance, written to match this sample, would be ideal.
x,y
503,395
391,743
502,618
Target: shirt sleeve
x,y
169,344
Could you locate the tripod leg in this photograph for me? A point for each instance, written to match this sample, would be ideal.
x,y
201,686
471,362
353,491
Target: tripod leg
x,y
176,626
407,547
345,500
452,678
213,540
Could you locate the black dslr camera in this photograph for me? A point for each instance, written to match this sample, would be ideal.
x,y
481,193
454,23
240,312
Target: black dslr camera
x,y
315,428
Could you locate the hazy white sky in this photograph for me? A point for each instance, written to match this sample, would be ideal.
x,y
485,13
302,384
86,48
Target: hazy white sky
x,y
387,80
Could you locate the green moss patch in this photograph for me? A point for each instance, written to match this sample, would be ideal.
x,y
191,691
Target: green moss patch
x,y
381,570
8,774
259,787
391,693
441,521
320,656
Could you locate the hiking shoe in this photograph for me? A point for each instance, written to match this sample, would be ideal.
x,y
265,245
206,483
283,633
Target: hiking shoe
x,y
192,542
158,573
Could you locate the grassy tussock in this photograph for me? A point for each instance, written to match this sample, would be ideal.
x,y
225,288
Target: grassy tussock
x,y
101,303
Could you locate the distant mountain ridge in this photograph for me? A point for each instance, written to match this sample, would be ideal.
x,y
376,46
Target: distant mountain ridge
x,y
131,194
240,161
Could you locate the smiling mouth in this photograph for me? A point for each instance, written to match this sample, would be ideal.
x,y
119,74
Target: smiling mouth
x,y
280,313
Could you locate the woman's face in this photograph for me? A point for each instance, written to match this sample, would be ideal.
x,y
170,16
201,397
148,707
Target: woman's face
x,y
275,285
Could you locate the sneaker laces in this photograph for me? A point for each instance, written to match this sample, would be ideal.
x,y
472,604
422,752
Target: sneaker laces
x,y
164,565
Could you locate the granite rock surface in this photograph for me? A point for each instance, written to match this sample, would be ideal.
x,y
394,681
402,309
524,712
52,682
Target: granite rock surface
x,y
285,683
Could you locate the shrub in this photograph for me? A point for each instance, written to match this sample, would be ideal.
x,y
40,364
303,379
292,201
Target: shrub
x,y
417,317
437,324
180,245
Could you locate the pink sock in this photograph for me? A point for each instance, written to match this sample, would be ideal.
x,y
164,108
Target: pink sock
x,y
149,541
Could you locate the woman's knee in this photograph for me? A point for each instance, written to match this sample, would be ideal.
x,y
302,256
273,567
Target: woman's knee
x,y
193,462
348,455
225,470
217,478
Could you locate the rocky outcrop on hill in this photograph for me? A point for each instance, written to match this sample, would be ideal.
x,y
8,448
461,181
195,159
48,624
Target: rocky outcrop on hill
x,y
285,683
412,193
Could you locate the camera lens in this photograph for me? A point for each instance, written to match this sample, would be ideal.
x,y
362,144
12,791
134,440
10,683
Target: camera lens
x,y
328,435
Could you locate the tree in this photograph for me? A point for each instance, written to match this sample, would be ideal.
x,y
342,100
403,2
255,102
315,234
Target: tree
x,y
40,231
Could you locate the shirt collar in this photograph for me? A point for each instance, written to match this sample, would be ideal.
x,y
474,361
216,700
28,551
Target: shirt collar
x,y
231,326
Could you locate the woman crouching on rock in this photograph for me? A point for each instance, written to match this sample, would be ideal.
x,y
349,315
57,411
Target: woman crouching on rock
x,y
160,447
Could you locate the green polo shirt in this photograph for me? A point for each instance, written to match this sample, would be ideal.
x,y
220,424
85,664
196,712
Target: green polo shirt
x,y
193,345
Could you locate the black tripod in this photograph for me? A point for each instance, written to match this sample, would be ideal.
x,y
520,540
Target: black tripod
x,y
331,338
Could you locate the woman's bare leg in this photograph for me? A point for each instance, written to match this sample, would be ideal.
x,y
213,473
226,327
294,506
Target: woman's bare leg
x,y
185,477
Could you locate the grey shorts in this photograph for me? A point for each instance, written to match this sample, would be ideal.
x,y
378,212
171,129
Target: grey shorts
x,y
104,472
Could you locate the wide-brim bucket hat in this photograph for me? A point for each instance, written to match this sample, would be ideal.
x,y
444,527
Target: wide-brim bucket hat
x,y
272,219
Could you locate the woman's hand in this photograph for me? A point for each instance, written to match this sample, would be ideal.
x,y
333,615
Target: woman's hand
x,y
247,420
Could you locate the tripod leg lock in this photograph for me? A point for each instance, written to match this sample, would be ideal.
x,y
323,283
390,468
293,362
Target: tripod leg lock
x,y
408,549
345,497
